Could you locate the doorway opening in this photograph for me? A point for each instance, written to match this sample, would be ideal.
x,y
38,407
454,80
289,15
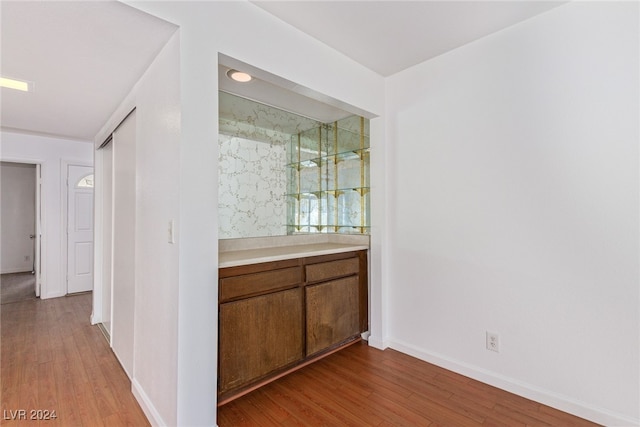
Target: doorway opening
x,y
20,233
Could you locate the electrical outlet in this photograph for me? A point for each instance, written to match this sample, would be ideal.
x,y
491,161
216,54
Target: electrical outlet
x,y
493,341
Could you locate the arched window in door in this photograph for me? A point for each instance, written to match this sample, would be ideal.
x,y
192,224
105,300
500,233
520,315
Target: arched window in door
x,y
85,182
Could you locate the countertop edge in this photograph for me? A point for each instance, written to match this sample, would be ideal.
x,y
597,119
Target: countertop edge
x,y
296,251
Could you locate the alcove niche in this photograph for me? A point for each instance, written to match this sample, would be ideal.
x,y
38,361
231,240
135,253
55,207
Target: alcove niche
x,y
289,163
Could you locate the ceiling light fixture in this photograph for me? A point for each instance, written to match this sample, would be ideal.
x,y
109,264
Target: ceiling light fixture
x,y
239,76
16,84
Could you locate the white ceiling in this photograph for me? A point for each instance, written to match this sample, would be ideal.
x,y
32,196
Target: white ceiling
x,y
85,56
390,36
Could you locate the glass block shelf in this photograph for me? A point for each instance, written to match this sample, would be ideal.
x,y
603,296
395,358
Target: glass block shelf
x,y
328,179
355,155
340,229
334,193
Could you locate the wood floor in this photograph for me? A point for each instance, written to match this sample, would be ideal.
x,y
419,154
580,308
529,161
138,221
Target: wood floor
x,y
52,359
362,386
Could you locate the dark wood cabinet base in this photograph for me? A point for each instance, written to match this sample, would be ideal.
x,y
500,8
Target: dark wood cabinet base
x,y
276,317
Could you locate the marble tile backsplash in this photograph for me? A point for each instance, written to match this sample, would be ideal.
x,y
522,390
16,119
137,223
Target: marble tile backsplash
x,y
252,187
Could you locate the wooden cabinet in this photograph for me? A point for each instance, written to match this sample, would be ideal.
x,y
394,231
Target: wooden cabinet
x,y
275,316
260,321
332,313
259,335
331,302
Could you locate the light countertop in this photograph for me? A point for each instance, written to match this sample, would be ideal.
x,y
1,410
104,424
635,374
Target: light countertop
x,y
232,255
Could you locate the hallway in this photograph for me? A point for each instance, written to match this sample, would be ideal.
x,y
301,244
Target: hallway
x,y
52,359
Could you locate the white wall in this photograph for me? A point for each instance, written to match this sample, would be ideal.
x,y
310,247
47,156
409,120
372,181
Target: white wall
x,y
157,284
516,209
204,32
18,214
154,329
54,155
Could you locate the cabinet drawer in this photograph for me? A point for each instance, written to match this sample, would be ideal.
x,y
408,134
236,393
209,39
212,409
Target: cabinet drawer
x,y
259,283
332,269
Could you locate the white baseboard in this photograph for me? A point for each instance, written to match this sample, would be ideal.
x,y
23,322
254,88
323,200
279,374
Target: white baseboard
x,y
377,342
52,295
563,403
147,407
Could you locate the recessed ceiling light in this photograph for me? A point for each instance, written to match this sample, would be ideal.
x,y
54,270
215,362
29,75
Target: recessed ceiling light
x,y
16,84
239,76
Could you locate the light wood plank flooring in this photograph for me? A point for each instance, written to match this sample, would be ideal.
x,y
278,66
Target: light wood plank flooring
x,y
52,359
362,386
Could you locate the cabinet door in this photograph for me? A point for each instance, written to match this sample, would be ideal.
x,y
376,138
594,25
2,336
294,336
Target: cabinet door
x,y
259,335
332,313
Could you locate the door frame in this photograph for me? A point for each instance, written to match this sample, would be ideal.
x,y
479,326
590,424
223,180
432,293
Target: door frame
x,y
37,243
39,248
64,202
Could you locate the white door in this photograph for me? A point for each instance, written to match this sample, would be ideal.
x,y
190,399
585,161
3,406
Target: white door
x,y
79,229
107,235
124,250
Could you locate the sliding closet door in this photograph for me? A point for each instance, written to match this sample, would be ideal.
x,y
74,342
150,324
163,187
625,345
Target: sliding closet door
x,y
107,233
124,214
